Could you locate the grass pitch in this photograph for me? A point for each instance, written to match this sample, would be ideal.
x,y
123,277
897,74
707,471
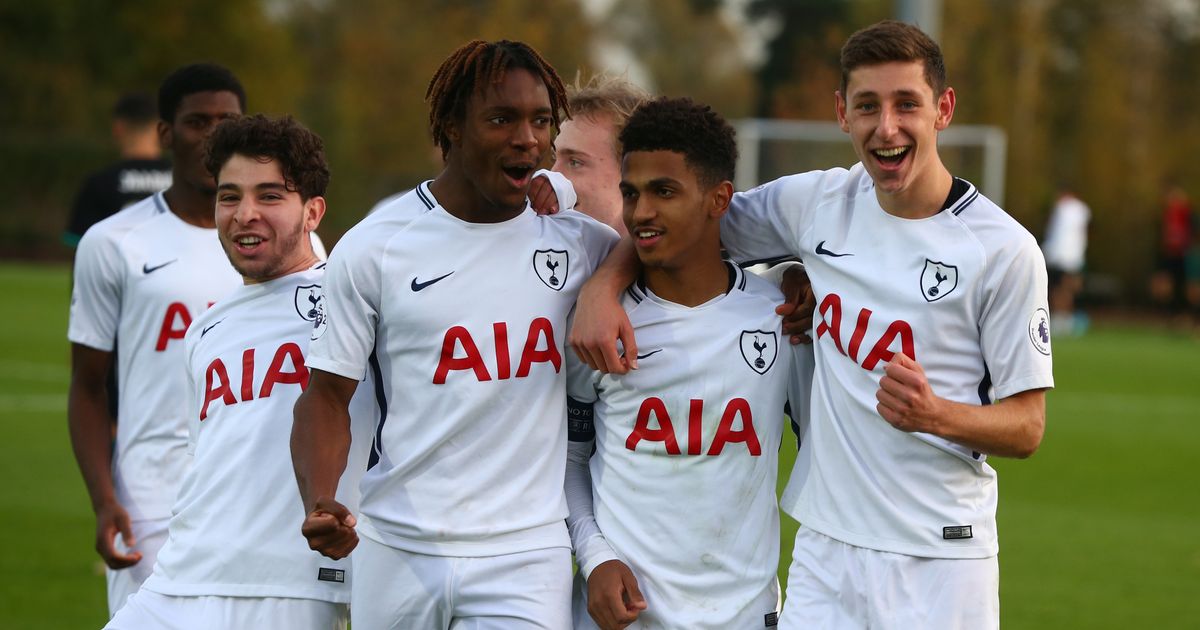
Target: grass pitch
x,y
1099,529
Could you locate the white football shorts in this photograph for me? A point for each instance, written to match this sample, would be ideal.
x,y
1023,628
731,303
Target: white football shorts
x,y
393,588
834,585
147,609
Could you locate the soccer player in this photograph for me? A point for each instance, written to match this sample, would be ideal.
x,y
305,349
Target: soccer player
x,y
140,172
674,518
462,517
932,349
234,558
1065,247
587,150
141,276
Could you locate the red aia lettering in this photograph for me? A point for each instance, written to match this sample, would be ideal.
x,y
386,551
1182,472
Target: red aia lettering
x,y
176,311
539,347
218,386
665,432
881,351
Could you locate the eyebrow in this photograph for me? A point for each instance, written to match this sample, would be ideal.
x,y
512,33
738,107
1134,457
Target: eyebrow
x,y
258,187
570,151
873,94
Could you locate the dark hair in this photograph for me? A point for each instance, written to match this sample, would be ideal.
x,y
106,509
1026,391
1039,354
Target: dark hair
x,y
478,63
197,77
136,108
300,152
890,40
684,126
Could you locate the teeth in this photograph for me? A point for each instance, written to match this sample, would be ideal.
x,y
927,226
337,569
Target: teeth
x,y
249,240
890,152
646,234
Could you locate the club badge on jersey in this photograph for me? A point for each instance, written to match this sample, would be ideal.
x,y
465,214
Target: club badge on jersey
x,y
759,349
551,266
310,305
938,280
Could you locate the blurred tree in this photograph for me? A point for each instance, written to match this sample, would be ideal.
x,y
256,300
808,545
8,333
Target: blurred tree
x,y
689,47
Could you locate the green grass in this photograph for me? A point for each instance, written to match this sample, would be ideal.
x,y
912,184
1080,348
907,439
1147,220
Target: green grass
x,y
1099,529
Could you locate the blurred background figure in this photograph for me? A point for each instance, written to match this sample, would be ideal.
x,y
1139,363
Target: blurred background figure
x,y
587,151
1065,248
140,172
1169,285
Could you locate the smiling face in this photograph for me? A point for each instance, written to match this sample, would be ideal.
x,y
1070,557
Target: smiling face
x,y
263,226
198,114
673,217
893,117
503,136
586,154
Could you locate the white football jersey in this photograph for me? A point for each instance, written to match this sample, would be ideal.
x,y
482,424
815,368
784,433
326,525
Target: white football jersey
x,y
686,453
464,324
963,292
141,277
235,531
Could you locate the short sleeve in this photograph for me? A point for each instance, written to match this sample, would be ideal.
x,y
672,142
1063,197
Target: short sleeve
x,y
1015,320
353,294
766,223
96,295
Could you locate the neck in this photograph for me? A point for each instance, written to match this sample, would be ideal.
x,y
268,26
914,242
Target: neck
x,y
194,206
298,266
459,197
692,284
922,199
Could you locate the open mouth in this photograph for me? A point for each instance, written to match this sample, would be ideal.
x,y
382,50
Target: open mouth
x,y
892,156
646,237
248,244
519,176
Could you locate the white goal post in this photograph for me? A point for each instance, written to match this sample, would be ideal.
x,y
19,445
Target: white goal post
x,y
768,149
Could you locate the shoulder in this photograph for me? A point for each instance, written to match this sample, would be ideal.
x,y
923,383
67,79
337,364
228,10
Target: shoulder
x,y
755,286
997,232
111,232
578,222
385,220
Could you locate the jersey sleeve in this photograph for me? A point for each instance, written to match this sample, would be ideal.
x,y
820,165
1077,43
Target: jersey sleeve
x,y
1014,324
564,191
591,548
766,223
96,296
353,294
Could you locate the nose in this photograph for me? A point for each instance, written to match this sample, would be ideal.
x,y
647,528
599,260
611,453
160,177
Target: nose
x,y
889,123
638,210
524,136
247,211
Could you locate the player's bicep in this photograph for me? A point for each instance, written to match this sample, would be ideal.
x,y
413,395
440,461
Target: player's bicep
x,y
766,223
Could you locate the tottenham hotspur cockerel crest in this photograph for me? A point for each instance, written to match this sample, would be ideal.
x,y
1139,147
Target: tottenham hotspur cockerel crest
x,y
759,349
310,305
551,267
937,280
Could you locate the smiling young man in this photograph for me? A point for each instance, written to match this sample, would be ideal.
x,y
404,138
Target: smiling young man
x,y
234,558
674,517
462,519
932,352
141,276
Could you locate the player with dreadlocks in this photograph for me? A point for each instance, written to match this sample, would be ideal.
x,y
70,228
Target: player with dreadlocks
x,y
462,514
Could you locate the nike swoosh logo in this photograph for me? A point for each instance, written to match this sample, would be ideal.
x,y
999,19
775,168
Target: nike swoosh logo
x,y
210,327
147,269
643,356
417,286
825,252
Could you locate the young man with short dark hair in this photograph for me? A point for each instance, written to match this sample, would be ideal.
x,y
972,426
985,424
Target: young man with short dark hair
x,y
141,276
674,516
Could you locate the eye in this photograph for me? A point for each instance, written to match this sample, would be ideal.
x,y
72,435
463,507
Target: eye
x,y
629,194
575,163
665,193
909,105
865,108
272,197
498,120
543,121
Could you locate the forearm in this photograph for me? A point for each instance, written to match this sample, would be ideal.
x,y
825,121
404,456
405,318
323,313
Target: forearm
x,y
320,444
1012,427
591,548
90,428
